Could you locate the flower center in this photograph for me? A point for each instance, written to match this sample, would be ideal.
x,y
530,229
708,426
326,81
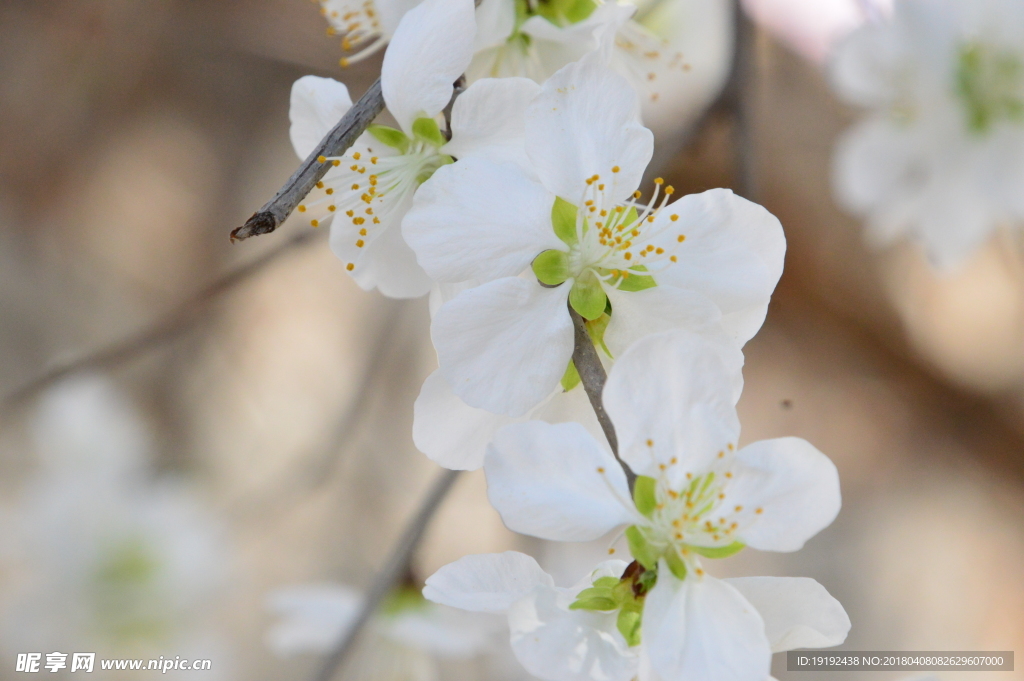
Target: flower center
x,y
368,187
626,594
990,86
617,245
358,24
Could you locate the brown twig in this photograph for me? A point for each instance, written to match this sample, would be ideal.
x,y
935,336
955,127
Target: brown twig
x,y
592,376
338,140
394,569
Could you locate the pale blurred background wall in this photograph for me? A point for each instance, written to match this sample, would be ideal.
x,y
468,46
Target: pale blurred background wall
x,y
135,134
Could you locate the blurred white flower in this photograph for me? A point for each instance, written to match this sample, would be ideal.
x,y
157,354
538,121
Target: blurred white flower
x,y
105,556
813,27
940,158
707,262
410,633
371,187
676,53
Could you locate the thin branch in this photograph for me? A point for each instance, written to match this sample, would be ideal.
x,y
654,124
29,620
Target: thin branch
x,y
394,569
183,318
338,140
592,376
742,85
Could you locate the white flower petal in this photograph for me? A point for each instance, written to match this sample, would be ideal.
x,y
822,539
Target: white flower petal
x,y
733,254
638,314
444,631
385,263
313,617
558,644
449,431
555,482
702,629
480,220
317,104
874,161
489,119
487,582
432,46
495,21
796,486
504,346
670,396
797,611
586,121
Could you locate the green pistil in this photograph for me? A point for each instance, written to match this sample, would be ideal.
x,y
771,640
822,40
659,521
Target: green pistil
x,y
625,594
989,83
427,140
401,600
559,12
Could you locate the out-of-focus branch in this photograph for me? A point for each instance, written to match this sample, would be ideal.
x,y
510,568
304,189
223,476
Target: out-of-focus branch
x,y
592,376
183,318
742,85
338,140
394,569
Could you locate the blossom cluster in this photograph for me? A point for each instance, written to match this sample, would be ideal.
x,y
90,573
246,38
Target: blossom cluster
x,y
520,210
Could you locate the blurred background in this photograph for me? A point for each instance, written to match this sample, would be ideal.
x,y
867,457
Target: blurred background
x,y
151,503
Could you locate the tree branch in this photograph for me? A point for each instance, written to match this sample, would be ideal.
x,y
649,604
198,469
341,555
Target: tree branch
x,y
592,376
338,140
394,569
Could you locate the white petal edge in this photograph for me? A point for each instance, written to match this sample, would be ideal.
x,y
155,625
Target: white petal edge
x,y
671,397
317,104
431,48
503,346
555,482
489,119
795,484
486,582
798,612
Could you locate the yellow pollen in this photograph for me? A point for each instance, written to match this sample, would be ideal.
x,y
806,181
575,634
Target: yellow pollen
x,y
588,202
739,508
637,194
600,469
611,551
329,191
721,495
674,218
600,187
336,163
355,187
659,180
319,185
321,159
369,211
360,243
700,572
759,511
353,167
358,221
673,461
628,256
315,223
343,62
730,446
362,232
650,443
673,258
662,466
721,454
356,156
376,221
615,169
681,238
332,208
302,209
689,476
351,266
373,160
349,213
659,251
670,190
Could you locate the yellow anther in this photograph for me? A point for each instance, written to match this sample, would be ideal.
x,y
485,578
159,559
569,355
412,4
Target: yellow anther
x,y
356,155
360,243
615,169
336,163
376,221
332,208
673,218
659,180
628,256
373,160
355,187
302,209
321,159
343,62
670,190
329,191
650,443
759,511
611,551
738,509
600,469
350,213
637,194
681,238
659,250
358,220
351,266
362,232
315,223
319,185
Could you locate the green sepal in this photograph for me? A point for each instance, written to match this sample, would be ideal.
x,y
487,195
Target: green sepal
x,y
628,623
719,551
563,220
647,580
637,282
427,130
593,603
396,139
565,12
551,267
645,554
675,564
587,297
643,495
606,582
571,379
402,599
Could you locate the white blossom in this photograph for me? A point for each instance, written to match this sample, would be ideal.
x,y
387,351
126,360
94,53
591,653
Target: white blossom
x,y
370,188
707,262
940,158
697,497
